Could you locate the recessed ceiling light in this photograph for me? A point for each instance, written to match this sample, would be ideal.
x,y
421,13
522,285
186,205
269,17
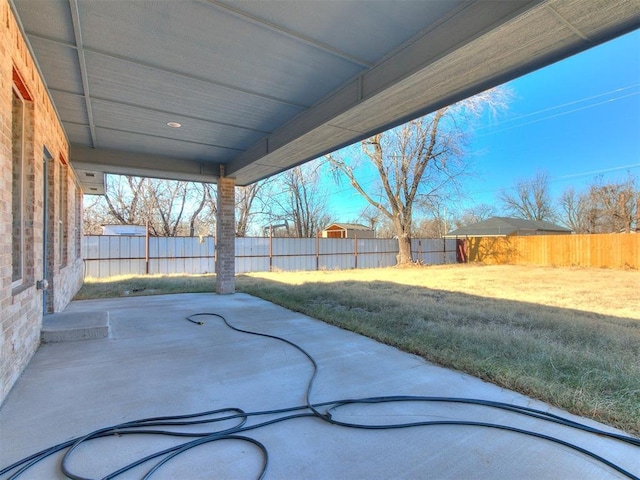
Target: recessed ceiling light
x,y
174,124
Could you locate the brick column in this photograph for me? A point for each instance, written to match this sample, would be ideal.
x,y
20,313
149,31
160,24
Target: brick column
x,y
226,235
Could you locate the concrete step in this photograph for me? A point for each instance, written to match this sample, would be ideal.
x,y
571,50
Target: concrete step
x,y
73,326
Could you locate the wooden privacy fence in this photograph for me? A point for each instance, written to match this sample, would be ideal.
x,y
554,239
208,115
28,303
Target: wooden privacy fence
x,y
618,250
106,256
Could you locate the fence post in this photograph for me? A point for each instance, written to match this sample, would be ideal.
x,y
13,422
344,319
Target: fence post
x,y
355,250
215,249
318,251
444,251
146,247
270,248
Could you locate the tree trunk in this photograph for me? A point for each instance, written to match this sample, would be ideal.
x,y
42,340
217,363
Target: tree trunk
x,y
194,216
404,250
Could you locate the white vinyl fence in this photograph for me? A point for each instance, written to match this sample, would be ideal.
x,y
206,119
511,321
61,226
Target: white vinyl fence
x,y
106,256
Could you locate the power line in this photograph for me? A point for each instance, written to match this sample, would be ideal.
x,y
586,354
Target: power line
x,y
568,177
549,117
602,170
556,107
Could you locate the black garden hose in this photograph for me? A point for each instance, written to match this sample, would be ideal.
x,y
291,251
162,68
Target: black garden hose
x,y
325,411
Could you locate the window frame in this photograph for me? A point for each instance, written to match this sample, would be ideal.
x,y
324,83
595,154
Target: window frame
x,y
63,206
18,202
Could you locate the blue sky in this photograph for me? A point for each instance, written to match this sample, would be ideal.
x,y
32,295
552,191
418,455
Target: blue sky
x,y
574,119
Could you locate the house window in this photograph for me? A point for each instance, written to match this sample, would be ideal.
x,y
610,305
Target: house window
x,y
62,214
17,189
78,223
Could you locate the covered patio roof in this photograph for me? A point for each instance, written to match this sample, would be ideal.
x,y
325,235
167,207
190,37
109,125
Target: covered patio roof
x,y
259,87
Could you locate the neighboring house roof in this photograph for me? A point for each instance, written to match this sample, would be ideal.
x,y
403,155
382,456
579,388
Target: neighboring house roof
x,y
502,226
348,226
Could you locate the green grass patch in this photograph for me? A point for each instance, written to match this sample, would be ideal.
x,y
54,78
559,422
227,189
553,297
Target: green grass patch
x,y
136,285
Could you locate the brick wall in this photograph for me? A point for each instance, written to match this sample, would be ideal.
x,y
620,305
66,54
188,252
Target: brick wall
x,y
226,235
21,306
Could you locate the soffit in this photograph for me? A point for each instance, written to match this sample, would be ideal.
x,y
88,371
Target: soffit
x,y
259,87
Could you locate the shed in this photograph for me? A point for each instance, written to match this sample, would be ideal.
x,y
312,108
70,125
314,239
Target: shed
x,y
348,230
127,230
505,226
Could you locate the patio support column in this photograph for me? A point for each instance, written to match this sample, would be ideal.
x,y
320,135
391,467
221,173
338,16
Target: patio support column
x,y
226,235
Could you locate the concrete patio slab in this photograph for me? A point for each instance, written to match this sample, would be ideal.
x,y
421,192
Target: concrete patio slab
x,y
155,363
74,326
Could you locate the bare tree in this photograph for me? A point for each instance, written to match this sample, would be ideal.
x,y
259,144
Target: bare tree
x,y
169,199
385,229
95,214
530,198
479,212
420,160
474,214
171,207
249,202
125,196
614,205
204,194
301,201
434,227
248,199
576,211
438,219
605,207
620,207
370,216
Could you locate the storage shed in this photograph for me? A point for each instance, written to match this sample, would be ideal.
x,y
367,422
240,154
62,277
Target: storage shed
x,y
348,230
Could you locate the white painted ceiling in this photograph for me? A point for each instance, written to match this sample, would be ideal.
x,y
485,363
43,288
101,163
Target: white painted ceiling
x,y
262,85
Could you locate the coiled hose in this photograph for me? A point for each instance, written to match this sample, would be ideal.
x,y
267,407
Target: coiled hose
x,y
325,411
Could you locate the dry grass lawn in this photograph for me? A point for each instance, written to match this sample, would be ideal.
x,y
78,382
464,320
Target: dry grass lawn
x,y
144,285
569,336
609,292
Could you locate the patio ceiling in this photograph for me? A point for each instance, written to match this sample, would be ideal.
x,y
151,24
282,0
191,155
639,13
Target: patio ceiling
x,y
261,86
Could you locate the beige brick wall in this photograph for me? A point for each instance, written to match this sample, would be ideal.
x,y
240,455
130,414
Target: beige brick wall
x,y
21,308
225,235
